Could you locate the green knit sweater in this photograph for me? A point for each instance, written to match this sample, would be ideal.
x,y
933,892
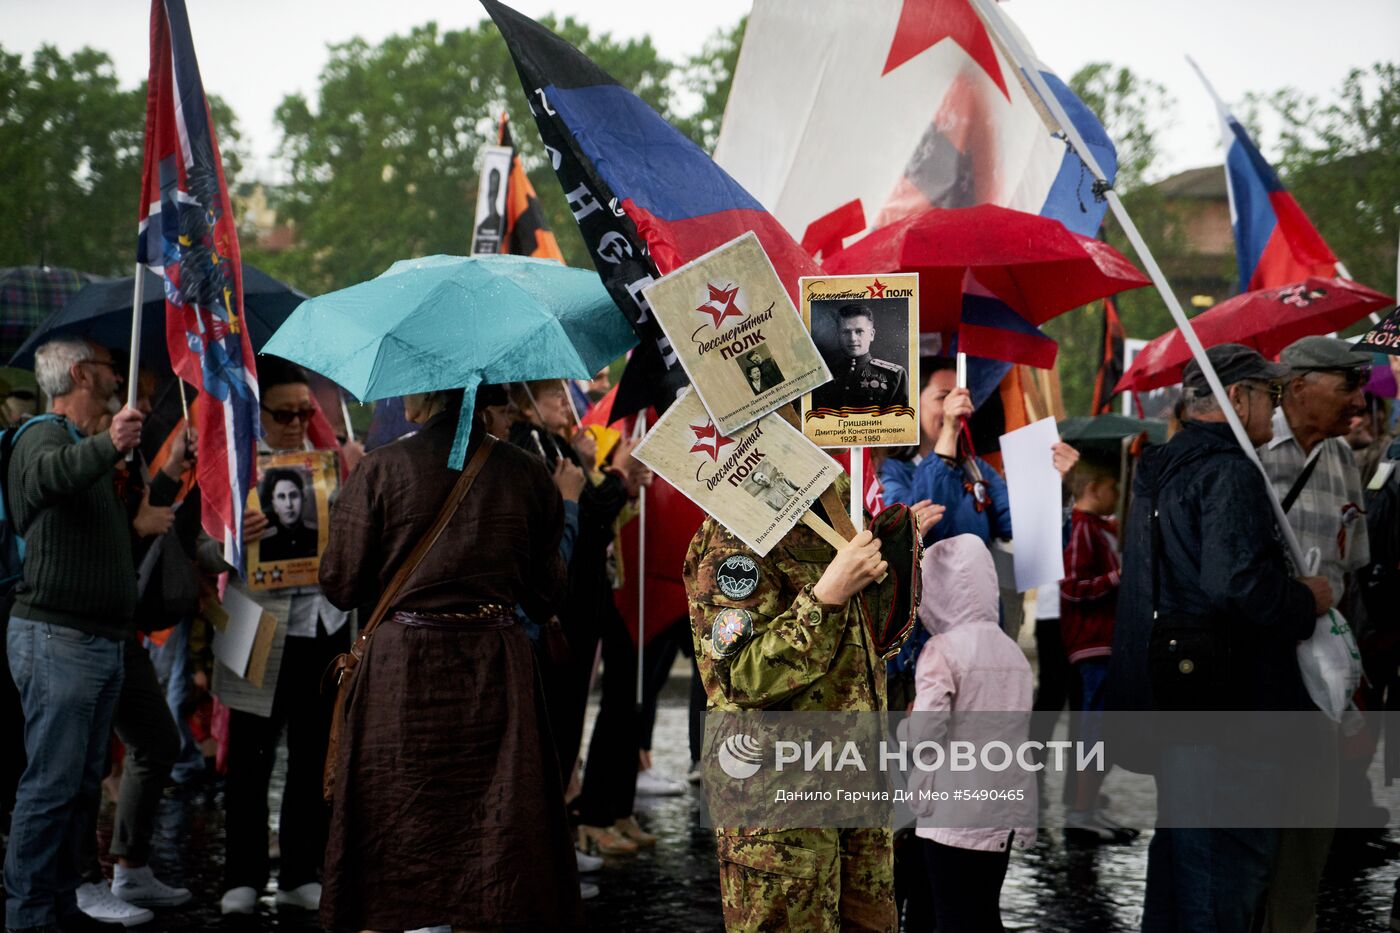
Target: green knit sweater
x,y
78,569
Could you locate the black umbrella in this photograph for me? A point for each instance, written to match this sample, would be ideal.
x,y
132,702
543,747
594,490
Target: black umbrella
x,y
101,311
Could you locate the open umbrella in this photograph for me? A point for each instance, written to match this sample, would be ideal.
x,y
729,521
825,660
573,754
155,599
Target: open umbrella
x,y
28,295
448,322
1033,263
101,311
1267,319
1109,429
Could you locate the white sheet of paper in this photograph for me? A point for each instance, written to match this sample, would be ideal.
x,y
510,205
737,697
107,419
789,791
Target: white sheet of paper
x,y
234,645
1033,486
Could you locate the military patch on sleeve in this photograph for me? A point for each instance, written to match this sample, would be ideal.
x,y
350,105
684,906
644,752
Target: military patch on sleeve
x,y
730,629
737,577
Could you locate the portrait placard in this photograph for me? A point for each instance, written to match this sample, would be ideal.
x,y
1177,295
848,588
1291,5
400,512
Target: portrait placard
x,y
757,482
736,333
294,492
867,328
490,224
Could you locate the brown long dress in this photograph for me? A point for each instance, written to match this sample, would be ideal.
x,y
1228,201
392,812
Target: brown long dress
x,y
448,807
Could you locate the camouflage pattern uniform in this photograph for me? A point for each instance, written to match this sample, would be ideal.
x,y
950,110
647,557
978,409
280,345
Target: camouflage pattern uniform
x,y
791,653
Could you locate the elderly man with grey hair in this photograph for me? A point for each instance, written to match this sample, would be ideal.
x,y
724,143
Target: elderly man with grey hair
x,y
1314,473
73,613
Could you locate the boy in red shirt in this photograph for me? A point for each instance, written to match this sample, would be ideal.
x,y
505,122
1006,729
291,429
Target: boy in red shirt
x,y
1088,601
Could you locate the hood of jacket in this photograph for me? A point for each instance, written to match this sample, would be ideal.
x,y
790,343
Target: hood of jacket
x,y
960,585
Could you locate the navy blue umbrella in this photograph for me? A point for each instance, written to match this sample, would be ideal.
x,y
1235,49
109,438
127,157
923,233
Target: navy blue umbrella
x,y
101,311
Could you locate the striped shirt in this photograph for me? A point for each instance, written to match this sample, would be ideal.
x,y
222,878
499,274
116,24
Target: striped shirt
x,y
1327,514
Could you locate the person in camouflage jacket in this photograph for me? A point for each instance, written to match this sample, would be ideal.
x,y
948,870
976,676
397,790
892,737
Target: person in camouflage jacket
x,y
783,632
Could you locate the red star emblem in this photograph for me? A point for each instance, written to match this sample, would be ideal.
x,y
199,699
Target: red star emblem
x,y
877,289
708,432
721,304
925,23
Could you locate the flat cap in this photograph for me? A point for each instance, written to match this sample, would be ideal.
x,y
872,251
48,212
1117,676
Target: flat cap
x,y
1311,353
1233,362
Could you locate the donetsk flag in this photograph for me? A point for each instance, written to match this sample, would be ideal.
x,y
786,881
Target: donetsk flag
x,y
645,197
1275,242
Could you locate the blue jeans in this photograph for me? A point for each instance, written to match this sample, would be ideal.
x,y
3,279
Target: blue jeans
x,y
172,663
1205,880
68,684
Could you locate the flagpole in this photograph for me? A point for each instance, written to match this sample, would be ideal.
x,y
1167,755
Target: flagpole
x,y
858,488
1011,42
345,415
1220,110
133,366
640,430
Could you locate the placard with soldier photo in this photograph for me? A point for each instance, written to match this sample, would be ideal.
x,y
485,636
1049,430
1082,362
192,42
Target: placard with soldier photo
x,y
867,329
757,482
294,492
736,333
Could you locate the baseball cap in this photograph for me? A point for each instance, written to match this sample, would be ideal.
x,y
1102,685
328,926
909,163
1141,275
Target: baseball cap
x,y
1318,352
1233,362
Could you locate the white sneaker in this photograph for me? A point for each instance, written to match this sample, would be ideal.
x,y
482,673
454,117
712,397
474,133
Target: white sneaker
x,y
695,775
1119,828
1084,826
587,891
307,896
141,887
587,862
97,901
444,928
652,783
242,900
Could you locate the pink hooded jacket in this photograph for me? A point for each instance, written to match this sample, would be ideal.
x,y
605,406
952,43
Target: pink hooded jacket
x,y
968,664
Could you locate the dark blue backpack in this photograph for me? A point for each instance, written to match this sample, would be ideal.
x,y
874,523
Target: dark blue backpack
x,y
11,544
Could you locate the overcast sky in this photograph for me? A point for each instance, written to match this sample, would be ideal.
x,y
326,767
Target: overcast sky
x,y
253,52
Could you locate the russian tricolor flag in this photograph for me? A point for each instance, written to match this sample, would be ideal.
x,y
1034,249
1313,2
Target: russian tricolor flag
x,y
1275,243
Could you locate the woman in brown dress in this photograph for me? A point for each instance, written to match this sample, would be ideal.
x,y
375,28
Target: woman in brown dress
x,y
448,806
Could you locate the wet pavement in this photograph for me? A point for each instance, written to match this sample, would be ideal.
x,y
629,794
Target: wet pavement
x,y
1050,887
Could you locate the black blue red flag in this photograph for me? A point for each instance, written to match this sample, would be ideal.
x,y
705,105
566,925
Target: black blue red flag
x,y
187,236
645,197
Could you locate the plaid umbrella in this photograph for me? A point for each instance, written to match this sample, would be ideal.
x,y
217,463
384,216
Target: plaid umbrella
x,y
28,294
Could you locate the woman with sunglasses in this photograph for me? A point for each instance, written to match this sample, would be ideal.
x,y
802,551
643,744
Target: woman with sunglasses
x,y
310,634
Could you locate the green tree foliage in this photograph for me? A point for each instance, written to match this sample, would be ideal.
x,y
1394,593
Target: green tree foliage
x,y
384,165
1135,111
708,76
70,160
1341,160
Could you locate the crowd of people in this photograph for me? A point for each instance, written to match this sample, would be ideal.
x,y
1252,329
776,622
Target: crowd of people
x,y
474,607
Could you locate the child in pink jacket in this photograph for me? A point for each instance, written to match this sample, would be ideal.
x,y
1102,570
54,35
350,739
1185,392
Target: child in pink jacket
x,y
969,664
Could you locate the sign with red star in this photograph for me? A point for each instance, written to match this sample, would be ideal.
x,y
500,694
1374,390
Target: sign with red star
x,y
708,432
722,304
876,289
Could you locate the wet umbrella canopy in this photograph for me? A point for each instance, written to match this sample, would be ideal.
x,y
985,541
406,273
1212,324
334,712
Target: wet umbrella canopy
x,y
101,311
449,322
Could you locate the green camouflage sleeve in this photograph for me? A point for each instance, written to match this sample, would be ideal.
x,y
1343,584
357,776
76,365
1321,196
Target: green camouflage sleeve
x,y
760,634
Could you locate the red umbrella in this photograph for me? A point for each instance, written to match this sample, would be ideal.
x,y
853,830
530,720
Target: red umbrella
x,y
1267,319
1032,263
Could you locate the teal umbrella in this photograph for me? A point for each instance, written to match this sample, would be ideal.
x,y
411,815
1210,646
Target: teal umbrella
x,y
449,322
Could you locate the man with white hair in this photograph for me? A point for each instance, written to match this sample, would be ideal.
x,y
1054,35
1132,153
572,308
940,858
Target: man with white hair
x,y
73,611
